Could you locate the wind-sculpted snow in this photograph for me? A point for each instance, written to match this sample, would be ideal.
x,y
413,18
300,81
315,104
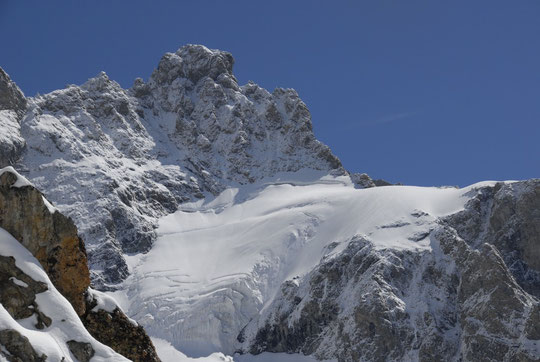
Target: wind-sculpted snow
x,y
217,263
116,160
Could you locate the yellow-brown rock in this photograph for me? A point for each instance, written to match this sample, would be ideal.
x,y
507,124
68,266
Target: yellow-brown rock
x,y
50,236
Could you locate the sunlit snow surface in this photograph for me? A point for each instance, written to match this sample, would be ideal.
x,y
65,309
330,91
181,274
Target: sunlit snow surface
x,y
218,263
168,353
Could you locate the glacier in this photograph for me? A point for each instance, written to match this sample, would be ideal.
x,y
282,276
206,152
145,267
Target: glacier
x,y
217,263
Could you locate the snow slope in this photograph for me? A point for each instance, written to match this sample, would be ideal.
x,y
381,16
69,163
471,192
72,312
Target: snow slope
x,y
65,325
217,263
168,353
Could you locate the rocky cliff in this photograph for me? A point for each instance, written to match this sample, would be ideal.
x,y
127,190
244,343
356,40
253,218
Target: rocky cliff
x,y
472,297
53,240
50,236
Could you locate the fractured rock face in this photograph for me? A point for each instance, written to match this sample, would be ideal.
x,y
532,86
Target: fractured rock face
x,y
495,313
508,217
11,97
116,330
13,106
471,297
48,235
354,307
194,62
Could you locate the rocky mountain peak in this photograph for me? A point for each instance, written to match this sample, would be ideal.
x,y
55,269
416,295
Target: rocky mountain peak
x,y
189,130
11,97
100,83
193,62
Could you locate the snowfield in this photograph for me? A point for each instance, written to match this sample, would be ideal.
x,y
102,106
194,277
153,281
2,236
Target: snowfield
x,y
219,262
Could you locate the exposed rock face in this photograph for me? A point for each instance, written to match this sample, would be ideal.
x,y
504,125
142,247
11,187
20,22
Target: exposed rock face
x,y
119,332
508,217
471,299
52,239
11,97
36,321
362,180
49,236
354,307
116,160
12,107
494,311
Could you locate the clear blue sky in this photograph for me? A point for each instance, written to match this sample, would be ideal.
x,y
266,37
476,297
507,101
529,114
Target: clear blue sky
x,y
421,92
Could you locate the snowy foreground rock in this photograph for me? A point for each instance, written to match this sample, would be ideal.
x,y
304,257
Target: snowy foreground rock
x,y
219,223
44,286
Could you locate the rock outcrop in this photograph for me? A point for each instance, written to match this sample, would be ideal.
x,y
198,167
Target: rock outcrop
x,y
11,97
81,350
116,330
50,236
363,181
53,240
18,293
508,217
36,322
495,314
472,297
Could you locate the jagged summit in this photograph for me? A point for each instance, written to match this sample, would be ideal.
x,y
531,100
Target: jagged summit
x,y
193,62
100,82
116,160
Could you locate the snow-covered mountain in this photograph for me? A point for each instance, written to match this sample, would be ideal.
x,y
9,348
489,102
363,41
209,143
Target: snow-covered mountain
x,y
117,160
218,222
